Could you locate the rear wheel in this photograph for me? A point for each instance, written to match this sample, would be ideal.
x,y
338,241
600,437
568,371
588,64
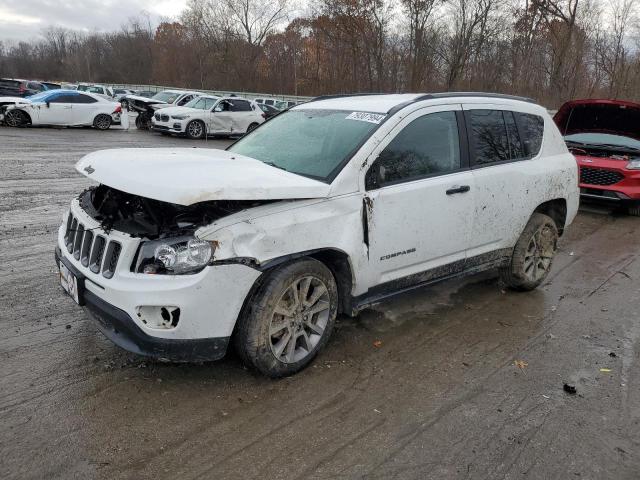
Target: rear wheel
x,y
289,319
16,118
102,121
195,130
533,254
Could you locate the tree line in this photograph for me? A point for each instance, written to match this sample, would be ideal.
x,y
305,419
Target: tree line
x,y
550,50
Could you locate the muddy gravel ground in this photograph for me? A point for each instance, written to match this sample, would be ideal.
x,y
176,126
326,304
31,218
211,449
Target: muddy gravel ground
x,y
425,387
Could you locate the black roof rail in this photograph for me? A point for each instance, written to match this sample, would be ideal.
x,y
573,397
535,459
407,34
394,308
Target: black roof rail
x,y
341,95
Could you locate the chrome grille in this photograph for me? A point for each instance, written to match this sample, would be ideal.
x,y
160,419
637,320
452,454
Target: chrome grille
x,y
94,251
599,176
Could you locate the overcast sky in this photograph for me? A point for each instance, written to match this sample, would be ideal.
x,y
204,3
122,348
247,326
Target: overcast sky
x,y
25,19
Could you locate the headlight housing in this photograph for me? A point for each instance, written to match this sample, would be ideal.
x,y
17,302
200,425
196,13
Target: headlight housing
x,y
634,164
174,256
179,117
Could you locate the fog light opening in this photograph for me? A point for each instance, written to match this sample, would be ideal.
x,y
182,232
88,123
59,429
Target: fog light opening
x,y
156,317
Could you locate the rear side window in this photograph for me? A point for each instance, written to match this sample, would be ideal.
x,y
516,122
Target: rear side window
x,y
532,128
428,145
240,106
489,136
80,98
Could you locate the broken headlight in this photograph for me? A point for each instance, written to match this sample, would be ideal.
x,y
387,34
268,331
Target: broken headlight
x,y
174,256
634,164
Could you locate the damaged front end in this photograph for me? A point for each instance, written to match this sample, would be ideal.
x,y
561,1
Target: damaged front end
x,y
167,230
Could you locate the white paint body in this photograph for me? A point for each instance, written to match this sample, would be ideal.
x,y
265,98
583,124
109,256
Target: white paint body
x,y
313,215
216,122
69,114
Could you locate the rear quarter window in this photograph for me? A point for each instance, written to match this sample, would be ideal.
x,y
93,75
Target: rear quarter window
x,y
532,128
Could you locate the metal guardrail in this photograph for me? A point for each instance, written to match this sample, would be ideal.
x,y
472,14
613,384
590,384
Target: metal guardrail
x,y
239,93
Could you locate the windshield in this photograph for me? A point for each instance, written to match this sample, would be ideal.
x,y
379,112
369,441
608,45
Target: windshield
x,y
168,97
603,139
42,95
202,103
313,143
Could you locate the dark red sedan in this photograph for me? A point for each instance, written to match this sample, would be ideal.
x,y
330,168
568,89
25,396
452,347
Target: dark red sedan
x,y
604,136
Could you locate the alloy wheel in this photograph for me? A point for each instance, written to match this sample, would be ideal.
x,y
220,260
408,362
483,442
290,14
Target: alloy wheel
x,y
540,251
195,130
299,319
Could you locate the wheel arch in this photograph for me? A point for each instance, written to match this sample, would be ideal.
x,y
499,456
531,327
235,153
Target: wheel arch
x,y
557,210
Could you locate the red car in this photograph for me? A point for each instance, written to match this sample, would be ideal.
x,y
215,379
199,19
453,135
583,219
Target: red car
x,y
604,136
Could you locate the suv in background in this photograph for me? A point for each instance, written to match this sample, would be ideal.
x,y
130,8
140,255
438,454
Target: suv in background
x,y
10,87
604,136
106,92
330,207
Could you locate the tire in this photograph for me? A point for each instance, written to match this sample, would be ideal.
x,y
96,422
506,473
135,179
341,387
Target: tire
x,y
251,127
275,334
143,123
195,130
635,211
16,118
102,121
533,254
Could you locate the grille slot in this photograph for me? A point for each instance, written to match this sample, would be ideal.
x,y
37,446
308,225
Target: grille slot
x,y
95,260
599,176
71,234
86,247
111,259
77,242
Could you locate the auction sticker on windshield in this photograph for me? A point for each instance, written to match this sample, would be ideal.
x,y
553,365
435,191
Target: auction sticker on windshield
x,y
366,117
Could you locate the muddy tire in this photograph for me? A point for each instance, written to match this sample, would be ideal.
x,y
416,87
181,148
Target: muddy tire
x,y
195,130
635,211
533,254
251,127
16,118
289,319
102,121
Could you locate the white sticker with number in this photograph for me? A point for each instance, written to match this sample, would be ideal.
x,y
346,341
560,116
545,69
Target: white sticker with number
x,y
366,117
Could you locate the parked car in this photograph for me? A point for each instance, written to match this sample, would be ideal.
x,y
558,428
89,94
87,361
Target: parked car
x,y
51,85
103,90
11,87
178,114
604,136
61,107
225,116
268,110
166,98
330,207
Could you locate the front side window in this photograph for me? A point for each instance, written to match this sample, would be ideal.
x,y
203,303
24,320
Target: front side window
x,y
313,143
63,98
428,145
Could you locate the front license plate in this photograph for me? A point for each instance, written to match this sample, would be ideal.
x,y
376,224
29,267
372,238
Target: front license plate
x,y
69,283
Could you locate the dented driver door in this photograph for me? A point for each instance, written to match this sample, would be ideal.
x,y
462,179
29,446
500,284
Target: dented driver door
x,y
419,199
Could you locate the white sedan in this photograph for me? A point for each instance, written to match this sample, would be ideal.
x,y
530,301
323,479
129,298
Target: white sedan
x,y
63,108
209,115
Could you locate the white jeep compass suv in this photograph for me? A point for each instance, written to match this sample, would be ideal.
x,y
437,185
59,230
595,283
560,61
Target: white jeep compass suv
x,y
327,208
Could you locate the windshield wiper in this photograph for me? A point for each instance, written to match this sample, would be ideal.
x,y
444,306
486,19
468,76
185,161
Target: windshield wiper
x,y
271,164
603,146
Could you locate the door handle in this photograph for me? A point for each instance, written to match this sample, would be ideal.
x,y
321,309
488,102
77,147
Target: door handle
x,y
460,189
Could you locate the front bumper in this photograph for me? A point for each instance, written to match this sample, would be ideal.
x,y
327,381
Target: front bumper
x,y
623,188
121,329
126,302
172,126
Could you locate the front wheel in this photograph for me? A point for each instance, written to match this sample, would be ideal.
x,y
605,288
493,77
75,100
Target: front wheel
x,y
289,319
251,127
102,121
195,130
533,254
16,118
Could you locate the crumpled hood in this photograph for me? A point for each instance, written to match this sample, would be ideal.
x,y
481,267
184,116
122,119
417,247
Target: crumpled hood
x,y
599,116
144,99
185,176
